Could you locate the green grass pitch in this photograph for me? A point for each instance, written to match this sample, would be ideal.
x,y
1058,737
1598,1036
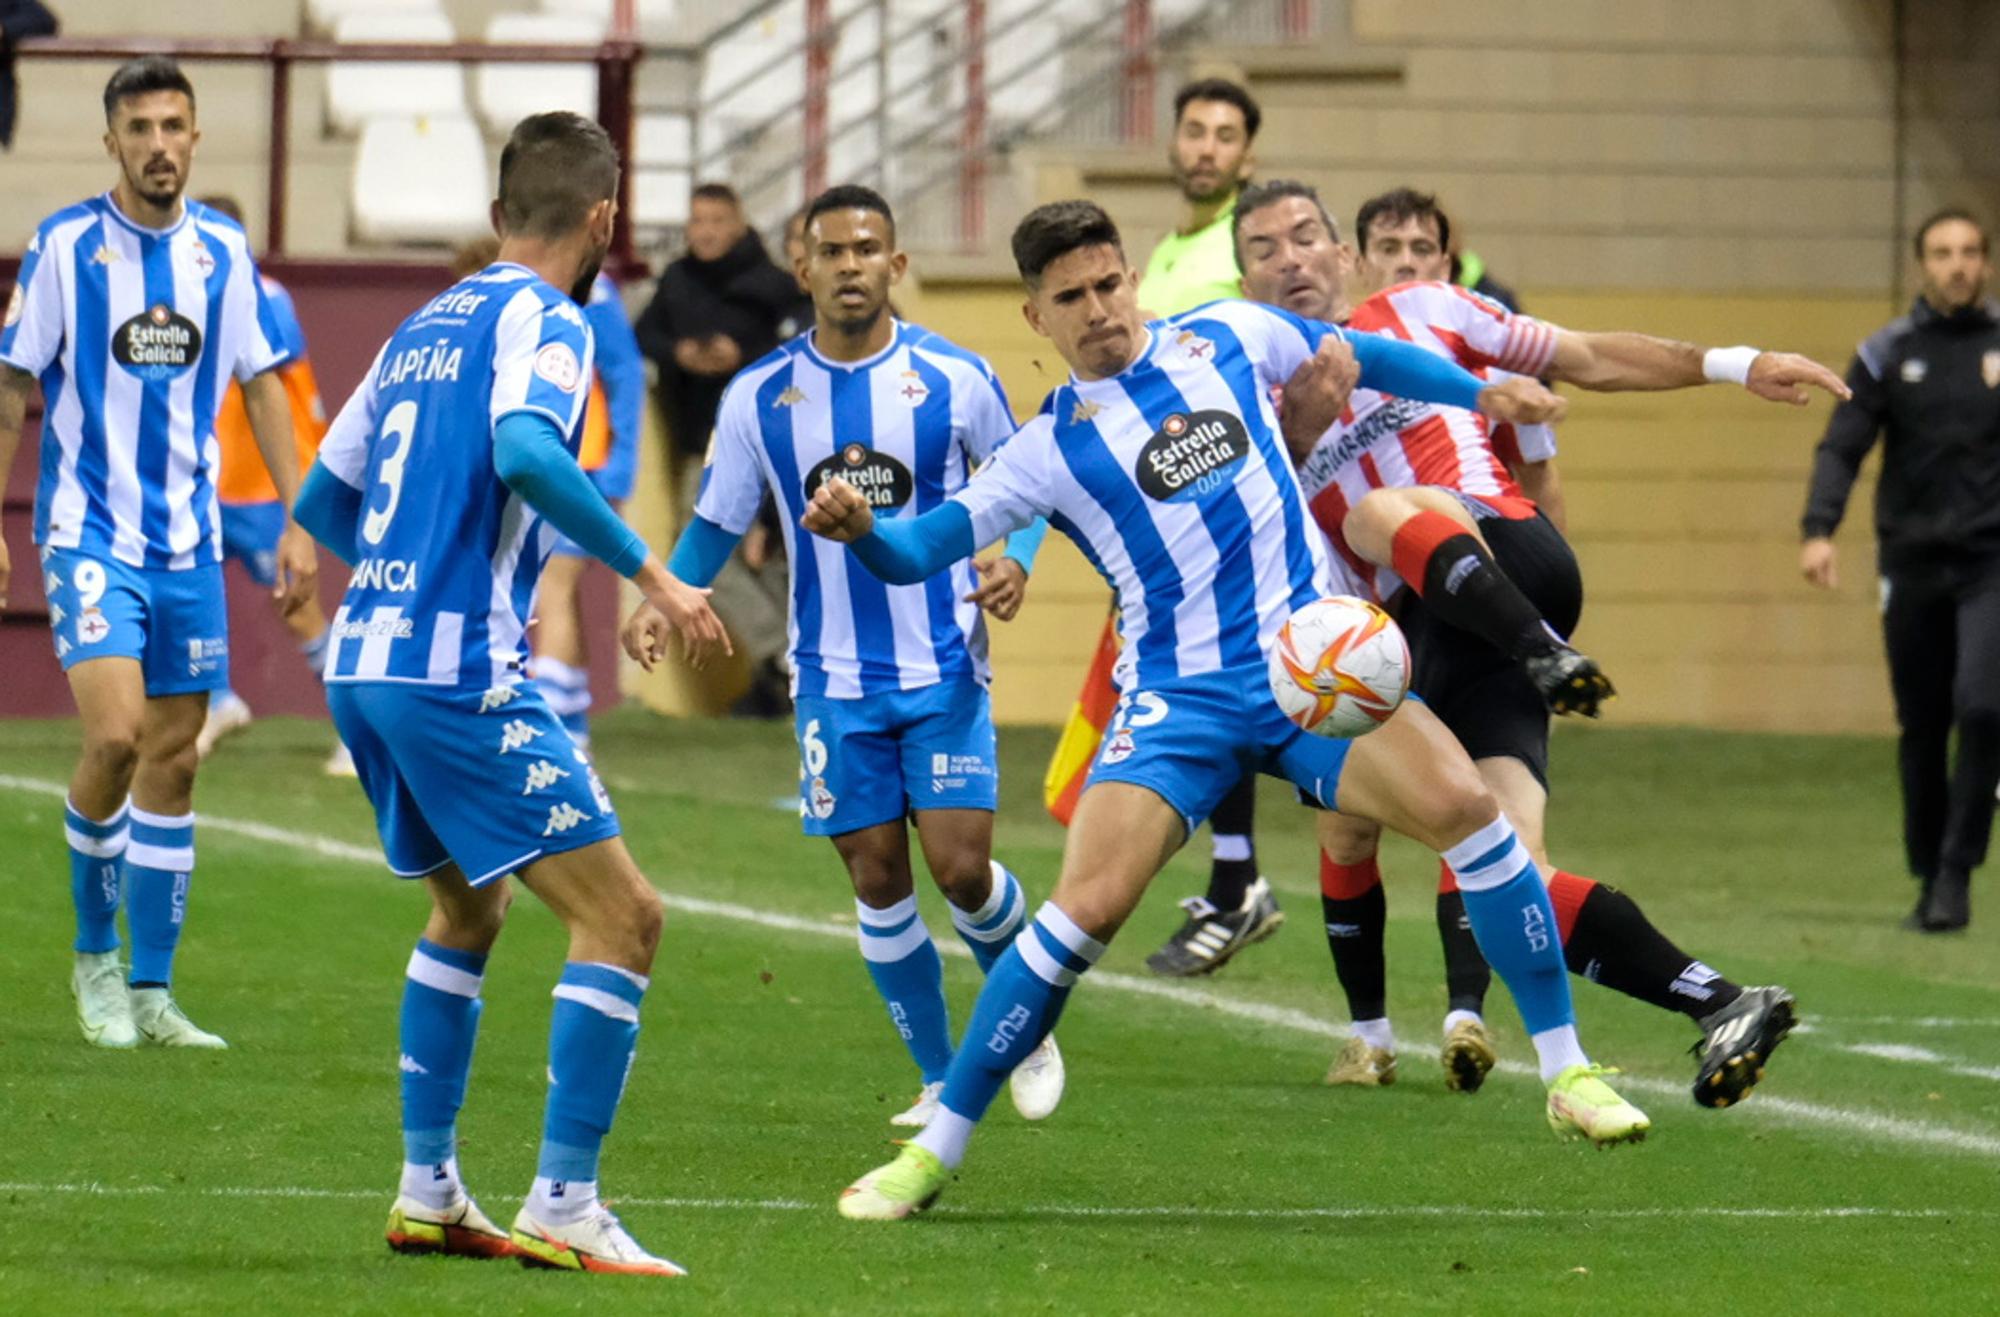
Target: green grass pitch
x,y
1197,1164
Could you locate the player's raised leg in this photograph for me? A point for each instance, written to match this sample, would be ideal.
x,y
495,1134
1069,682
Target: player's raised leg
x,y
613,917
989,910
1412,776
1119,837
440,1022
1429,539
110,695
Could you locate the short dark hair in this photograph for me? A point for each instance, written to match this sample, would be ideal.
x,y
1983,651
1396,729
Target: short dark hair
x,y
1229,93
223,204
850,196
1400,206
1050,232
554,168
148,73
1946,216
717,192
1255,196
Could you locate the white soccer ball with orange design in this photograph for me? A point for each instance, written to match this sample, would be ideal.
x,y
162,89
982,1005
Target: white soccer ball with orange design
x,y
1340,666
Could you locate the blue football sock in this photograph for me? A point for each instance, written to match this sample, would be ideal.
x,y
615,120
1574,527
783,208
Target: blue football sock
x,y
315,652
1515,925
159,861
989,929
904,963
96,875
440,1021
1024,993
591,1038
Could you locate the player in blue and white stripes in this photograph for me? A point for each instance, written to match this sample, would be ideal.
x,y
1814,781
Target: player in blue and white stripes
x,y
135,309
889,681
443,482
1163,460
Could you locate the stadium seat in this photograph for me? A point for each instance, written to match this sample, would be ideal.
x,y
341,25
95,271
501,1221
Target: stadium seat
x,y
508,93
662,138
660,197
325,15
1024,72
656,17
357,92
776,37
420,180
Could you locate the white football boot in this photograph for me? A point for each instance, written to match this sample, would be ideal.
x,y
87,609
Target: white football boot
x,y
599,1242
1037,1083
103,1006
162,1024
226,717
919,1113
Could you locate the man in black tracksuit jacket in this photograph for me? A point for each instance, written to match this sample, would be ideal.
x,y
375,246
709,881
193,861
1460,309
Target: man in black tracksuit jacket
x,y
1929,382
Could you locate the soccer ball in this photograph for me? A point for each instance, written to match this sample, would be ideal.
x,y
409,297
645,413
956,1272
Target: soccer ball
x,y
1340,666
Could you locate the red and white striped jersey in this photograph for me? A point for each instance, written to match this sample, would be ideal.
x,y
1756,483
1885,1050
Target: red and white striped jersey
x,y
1383,441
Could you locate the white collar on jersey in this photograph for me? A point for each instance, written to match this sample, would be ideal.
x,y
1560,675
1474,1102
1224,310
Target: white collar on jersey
x,y
111,205
1145,352
895,341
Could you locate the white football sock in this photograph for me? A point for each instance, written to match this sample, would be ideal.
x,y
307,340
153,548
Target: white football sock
x,y
1558,1050
435,1186
1376,1033
562,1202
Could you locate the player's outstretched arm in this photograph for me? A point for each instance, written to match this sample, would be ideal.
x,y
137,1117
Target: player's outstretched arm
x,y
269,410
15,386
901,550
329,509
672,606
1622,361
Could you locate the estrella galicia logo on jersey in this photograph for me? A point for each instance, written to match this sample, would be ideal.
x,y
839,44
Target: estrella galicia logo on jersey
x,y
881,479
157,345
1191,454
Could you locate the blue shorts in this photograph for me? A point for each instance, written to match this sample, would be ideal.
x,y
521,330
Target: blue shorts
x,y
175,623
874,759
1191,739
486,779
250,534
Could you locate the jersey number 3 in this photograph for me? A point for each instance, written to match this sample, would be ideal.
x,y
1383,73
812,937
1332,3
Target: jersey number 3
x,y
398,427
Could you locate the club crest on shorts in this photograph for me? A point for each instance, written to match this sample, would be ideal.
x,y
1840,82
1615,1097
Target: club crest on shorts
x,y
819,801
92,627
1118,747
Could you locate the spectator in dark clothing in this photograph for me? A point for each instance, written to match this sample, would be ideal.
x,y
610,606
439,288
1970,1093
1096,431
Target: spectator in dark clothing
x,y
799,312
716,310
1928,383
18,19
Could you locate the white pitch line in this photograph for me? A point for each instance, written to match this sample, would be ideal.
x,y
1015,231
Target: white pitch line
x,y
1393,1211
1873,1125
1907,1054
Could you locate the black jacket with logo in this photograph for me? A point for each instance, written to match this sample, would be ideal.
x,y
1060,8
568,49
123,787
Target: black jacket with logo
x,y
1930,385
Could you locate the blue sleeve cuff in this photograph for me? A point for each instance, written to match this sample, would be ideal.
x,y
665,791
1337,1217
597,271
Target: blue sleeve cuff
x,y
1024,544
330,510
701,552
529,455
1390,365
905,550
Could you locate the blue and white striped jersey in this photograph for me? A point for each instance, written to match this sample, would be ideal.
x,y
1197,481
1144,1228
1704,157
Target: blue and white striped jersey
x,y
905,427
1173,478
135,333
447,557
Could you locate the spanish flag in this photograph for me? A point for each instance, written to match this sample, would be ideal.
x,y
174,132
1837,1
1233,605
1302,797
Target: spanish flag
x,y
1088,718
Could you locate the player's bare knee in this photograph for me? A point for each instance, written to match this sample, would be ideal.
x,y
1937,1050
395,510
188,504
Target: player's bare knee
x,y
877,883
111,754
965,877
1461,805
648,920
1348,840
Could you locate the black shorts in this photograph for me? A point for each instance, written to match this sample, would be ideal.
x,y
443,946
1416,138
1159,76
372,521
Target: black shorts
x,y
1483,696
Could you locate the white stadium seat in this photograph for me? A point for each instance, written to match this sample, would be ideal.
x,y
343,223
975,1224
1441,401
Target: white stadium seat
x,y
420,180
660,197
661,137
326,14
656,17
509,93
357,91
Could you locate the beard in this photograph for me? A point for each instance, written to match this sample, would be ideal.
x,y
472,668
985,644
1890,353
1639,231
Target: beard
x,y
163,193
579,292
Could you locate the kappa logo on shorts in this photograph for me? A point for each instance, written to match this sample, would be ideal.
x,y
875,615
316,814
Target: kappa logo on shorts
x,y
62,648
597,791
92,627
56,614
541,775
517,734
563,817
496,696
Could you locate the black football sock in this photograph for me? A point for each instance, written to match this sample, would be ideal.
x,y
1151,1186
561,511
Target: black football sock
x,y
1457,579
1613,943
1466,973
1234,866
1355,922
